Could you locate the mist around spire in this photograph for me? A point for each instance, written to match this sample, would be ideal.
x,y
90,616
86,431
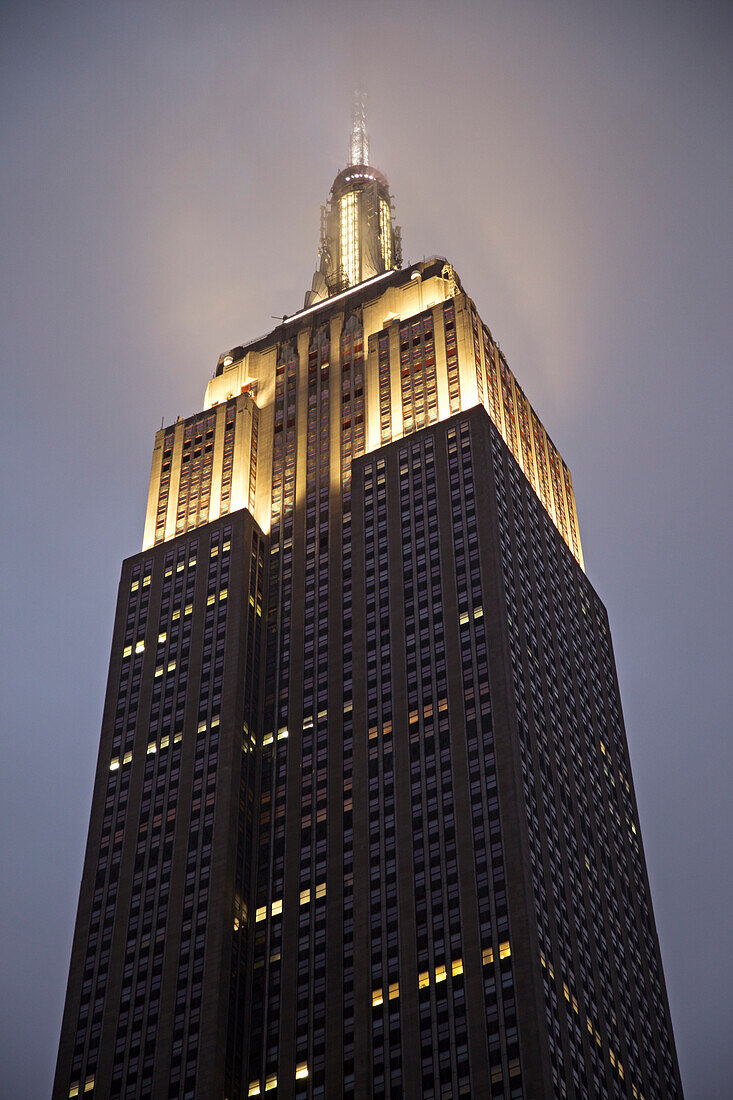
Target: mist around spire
x,y
359,238
359,145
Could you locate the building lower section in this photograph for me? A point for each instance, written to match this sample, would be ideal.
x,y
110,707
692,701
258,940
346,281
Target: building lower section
x,y
156,1002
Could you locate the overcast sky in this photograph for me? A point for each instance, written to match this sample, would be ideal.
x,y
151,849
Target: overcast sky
x,y
162,170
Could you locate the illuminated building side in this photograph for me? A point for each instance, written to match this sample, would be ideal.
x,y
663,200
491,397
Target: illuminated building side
x,y
363,822
437,357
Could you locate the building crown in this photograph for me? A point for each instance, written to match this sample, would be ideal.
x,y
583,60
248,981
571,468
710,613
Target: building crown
x,y
358,236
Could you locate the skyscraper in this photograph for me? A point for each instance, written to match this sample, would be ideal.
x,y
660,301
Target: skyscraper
x,y
363,822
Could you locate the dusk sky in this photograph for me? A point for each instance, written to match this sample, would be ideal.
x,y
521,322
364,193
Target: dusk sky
x,y
163,165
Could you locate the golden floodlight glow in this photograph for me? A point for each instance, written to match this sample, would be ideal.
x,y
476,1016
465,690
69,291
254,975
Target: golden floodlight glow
x,y
385,232
349,211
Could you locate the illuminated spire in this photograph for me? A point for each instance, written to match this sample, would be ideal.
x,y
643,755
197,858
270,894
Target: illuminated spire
x,y
358,236
359,147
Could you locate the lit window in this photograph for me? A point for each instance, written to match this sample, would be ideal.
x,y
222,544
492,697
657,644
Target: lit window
x,y
133,588
305,897
127,757
146,582
277,907
321,890
165,741
488,955
176,614
210,600
440,974
254,1089
201,728
140,646
385,231
179,567
261,913
226,545
114,763
89,1084
456,967
224,593
74,1090
188,609
267,739
394,990
171,666
349,237
423,980
271,1082
504,950
162,636
159,670
282,733
152,747
301,1071
127,651
377,998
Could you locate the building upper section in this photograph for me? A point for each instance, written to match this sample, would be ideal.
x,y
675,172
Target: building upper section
x,y
358,236
203,468
344,376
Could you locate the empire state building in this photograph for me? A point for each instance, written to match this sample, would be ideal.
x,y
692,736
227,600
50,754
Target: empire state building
x,y
363,821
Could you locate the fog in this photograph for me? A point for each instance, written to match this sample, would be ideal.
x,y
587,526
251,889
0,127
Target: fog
x,y
162,172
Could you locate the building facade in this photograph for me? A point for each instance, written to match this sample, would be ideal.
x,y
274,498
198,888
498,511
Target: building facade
x,y
363,822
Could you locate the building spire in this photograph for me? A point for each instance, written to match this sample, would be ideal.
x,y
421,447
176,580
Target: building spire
x,y
359,147
359,238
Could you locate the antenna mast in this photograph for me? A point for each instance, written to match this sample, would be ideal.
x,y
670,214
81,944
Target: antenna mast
x,y
359,148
